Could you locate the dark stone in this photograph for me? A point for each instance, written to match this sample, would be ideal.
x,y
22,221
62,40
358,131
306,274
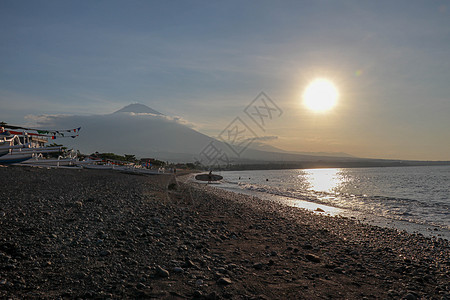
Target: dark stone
x,y
410,296
312,258
197,295
212,296
224,281
160,272
307,246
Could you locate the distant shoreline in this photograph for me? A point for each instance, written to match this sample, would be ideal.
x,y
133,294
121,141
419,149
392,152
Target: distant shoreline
x,y
330,164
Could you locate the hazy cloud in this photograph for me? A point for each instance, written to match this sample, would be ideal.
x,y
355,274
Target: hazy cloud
x,y
177,119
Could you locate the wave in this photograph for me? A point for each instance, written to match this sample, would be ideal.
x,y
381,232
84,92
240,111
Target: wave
x,y
400,209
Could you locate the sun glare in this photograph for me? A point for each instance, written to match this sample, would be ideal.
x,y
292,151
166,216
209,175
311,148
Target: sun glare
x,y
320,95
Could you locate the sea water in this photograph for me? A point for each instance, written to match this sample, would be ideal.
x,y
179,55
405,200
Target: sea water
x,y
416,199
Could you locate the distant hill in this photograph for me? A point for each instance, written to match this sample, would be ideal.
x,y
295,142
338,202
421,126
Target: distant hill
x,y
269,148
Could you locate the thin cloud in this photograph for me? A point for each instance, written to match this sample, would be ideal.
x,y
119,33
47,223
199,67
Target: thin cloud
x,y
176,119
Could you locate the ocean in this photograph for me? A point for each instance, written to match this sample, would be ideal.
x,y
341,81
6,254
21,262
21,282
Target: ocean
x,y
415,199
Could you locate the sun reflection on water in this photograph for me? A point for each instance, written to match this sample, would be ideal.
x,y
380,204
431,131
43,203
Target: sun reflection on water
x,y
323,180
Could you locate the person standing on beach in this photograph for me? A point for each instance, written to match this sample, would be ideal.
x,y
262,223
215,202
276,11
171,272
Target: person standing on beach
x,y
210,177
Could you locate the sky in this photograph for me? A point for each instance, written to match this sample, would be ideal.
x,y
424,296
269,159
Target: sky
x,y
206,61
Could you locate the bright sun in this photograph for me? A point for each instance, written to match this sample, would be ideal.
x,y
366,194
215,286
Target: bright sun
x,y
320,95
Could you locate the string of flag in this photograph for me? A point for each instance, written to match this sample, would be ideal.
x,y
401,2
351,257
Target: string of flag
x,y
53,134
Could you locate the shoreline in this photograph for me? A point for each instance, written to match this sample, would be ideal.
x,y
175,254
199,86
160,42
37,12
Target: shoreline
x,y
104,234
322,209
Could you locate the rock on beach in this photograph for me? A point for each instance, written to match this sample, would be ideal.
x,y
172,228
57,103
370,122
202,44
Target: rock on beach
x,y
104,234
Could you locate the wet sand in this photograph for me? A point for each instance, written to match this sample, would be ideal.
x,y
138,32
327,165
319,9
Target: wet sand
x,y
103,234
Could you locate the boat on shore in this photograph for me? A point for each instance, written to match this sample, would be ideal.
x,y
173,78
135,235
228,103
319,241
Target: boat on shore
x,y
14,159
3,152
15,149
28,149
40,161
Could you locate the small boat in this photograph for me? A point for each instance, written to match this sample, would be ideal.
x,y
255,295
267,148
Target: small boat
x,y
14,158
99,167
208,177
13,151
39,161
5,146
36,150
87,161
142,171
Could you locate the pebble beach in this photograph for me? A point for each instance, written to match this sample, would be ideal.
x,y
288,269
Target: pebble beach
x,y
97,234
